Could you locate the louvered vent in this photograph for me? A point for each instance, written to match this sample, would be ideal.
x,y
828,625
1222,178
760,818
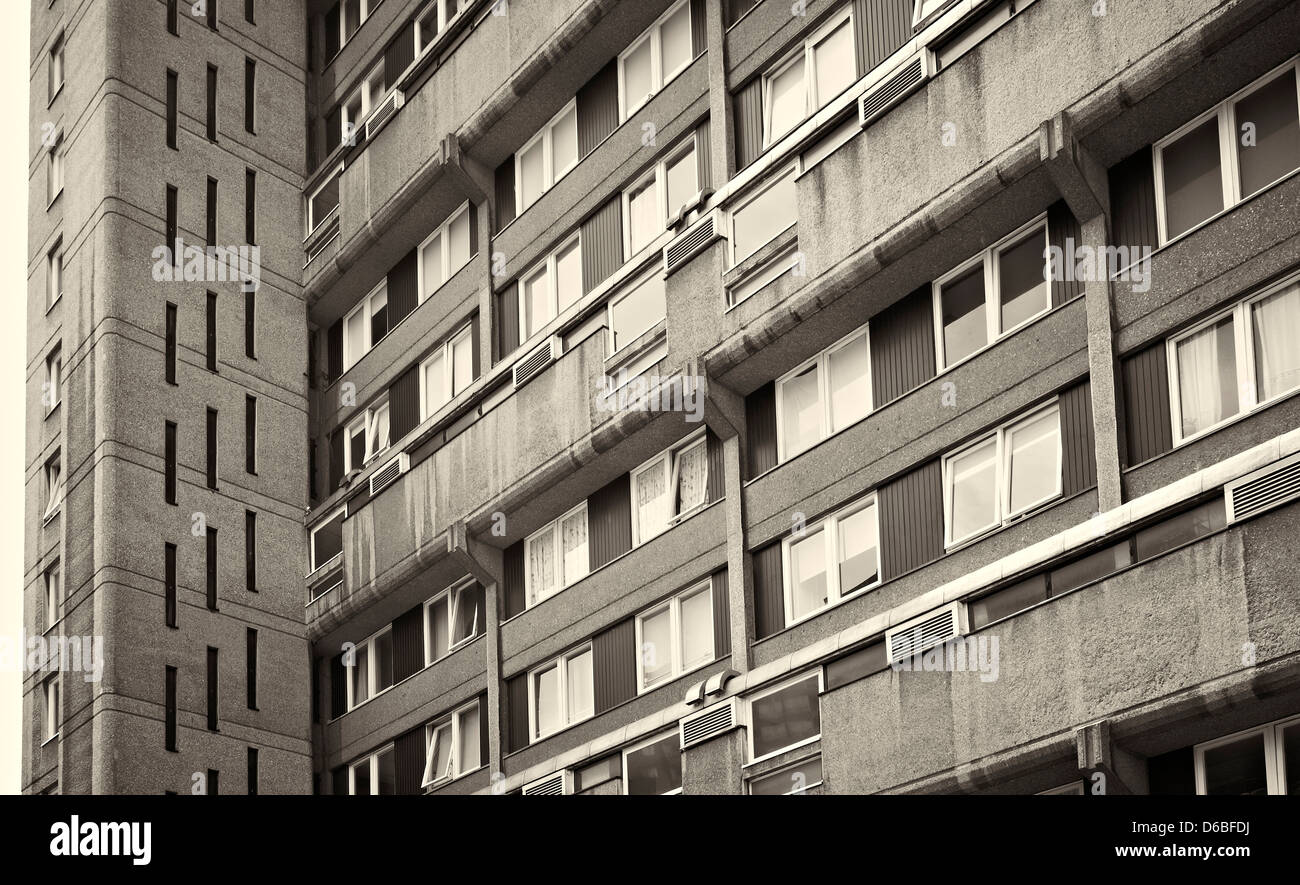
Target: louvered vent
x,y
709,723
690,242
925,632
539,359
1264,489
909,77
389,472
380,115
558,784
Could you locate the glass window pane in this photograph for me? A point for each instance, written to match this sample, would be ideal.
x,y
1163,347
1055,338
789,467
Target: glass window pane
x,y
581,699
656,769
387,774
760,220
638,78
325,201
531,174
808,574
1291,758
1271,110
1237,768
361,778
683,181
836,64
1193,181
435,384
458,242
469,614
692,471
643,221
974,504
360,675
801,411
462,363
858,550
656,647
431,265
1034,468
546,691
469,740
1207,377
675,38
650,497
564,142
961,302
356,332
573,533
568,274
788,781
850,387
537,303
785,717
327,542
1178,530
1022,281
1091,568
786,99
697,628
440,754
438,629
1275,325
383,661
1008,601
638,311
541,565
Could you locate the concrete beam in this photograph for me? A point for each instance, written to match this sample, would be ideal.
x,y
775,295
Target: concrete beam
x,y
483,561
1107,768
1078,176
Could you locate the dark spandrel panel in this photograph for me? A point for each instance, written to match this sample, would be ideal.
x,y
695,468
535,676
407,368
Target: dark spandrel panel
x,y
1237,768
1008,601
785,717
1091,568
855,666
1195,523
1133,201
655,769
1148,430
788,781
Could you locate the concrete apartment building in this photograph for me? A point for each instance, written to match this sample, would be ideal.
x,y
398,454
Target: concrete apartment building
x,y
701,396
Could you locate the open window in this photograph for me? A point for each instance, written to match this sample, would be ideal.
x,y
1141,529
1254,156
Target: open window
x,y
785,716
452,618
365,325
669,487
653,767
452,746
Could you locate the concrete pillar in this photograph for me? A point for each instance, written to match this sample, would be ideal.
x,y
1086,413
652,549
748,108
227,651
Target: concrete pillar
x,y
1107,768
713,768
721,135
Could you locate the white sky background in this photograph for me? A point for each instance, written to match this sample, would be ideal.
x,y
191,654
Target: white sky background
x,y
15,51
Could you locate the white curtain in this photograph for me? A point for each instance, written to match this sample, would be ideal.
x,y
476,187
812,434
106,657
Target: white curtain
x,y
1201,385
692,476
1276,322
541,566
574,538
651,501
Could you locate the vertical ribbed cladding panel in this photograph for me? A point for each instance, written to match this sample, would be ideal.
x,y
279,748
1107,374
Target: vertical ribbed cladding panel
x,y
338,687
911,520
507,311
399,54
883,26
769,596
760,426
737,8
336,460
1148,428
1133,201
476,346
902,347
404,403
483,749
699,28
403,289
334,350
1064,233
1078,449
602,244
504,194
717,467
704,156
408,643
408,762
747,109
721,615
597,108
340,780
609,522
517,712
513,578
613,664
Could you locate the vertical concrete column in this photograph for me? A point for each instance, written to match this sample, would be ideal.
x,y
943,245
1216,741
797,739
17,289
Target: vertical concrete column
x,y
714,767
1103,374
492,594
721,131
740,573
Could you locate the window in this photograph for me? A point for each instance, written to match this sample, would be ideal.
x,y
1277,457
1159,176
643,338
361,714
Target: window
x,y
1230,153
657,56
675,637
925,9
211,212
249,16
250,208
365,326
369,95
790,781
994,293
172,17
433,20
252,751
173,197
452,618
211,566
785,716
831,561
169,462
561,693
1002,476
659,196
213,671
549,288
173,90
212,23
1235,362
763,215
452,746
374,775
250,325
546,159
53,485
50,689
251,665
324,201
169,584
250,94
446,372
212,103
669,487
212,448
54,168
54,262
213,782
53,595
169,705
371,666
53,379
824,395
556,556
446,251
210,331
367,436
653,767
637,310
350,16
1260,762
250,434
327,539
250,550
169,357
56,67
806,81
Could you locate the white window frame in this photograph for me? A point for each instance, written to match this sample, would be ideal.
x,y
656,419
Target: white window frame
x,y
806,52
563,580
372,672
1229,144
657,177
453,722
549,266
344,36
424,41
311,540
54,268
988,259
54,377
447,353
363,89
53,595
57,66
368,423
364,306
773,689
626,292
442,231
822,363
771,181
550,175
51,698
312,222
831,549
54,168
1248,400
55,485
371,760
1002,456
785,770
650,742
668,462
659,78
561,662
1274,753
929,9
452,596
678,668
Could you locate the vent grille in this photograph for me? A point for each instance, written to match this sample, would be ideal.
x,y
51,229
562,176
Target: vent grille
x,y
535,362
380,115
925,632
558,784
710,723
1263,490
690,242
894,88
389,472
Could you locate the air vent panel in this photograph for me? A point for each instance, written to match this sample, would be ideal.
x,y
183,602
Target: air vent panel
x,y
389,472
708,723
691,242
532,365
558,784
925,632
1263,490
909,77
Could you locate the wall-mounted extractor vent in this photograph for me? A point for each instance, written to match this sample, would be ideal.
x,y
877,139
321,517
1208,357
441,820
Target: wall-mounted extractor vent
x,y
927,631
389,472
692,241
379,116
558,784
708,723
898,85
1264,489
538,360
